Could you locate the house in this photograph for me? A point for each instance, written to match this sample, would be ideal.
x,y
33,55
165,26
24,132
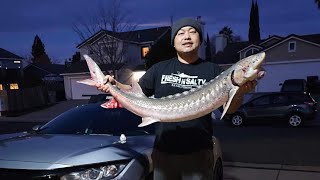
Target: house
x,y
47,75
127,49
10,70
130,49
290,57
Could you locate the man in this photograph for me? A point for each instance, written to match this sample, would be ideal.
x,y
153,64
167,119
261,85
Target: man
x,y
183,150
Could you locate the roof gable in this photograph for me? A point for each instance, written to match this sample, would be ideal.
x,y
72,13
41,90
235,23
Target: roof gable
x,y
137,36
231,52
273,37
4,54
290,37
45,69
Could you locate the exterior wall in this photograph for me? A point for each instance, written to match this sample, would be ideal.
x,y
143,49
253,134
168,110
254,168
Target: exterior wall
x,y
303,51
278,72
11,63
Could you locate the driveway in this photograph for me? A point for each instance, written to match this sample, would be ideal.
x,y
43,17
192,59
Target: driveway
x,y
46,114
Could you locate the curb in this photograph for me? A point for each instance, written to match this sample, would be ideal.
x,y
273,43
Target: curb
x,y
272,166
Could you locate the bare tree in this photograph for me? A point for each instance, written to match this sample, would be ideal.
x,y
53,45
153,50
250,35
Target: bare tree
x,y
112,25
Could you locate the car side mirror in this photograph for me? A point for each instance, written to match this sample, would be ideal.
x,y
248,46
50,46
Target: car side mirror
x,y
280,84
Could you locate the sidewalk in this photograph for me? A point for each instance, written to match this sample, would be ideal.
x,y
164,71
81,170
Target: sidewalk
x,y
249,171
232,170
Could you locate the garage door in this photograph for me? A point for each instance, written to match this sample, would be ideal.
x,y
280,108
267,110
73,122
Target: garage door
x,y
278,73
81,91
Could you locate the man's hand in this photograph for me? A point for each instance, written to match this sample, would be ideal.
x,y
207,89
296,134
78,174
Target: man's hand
x,y
103,87
250,85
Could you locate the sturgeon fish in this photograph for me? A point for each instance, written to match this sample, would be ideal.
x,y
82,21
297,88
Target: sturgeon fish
x,y
187,105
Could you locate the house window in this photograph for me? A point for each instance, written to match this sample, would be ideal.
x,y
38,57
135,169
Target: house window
x,y
144,51
292,46
1,87
14,86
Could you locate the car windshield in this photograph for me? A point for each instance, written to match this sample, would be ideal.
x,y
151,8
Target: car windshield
x,y
95,120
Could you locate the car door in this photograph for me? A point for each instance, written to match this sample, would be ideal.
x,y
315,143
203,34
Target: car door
x,y
259,107
279,105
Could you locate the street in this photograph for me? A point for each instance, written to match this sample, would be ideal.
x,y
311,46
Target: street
x,y
276,144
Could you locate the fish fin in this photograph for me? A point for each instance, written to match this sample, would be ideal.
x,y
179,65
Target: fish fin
x,y
95,72
135,90
147,121
232,92
112,103
89,82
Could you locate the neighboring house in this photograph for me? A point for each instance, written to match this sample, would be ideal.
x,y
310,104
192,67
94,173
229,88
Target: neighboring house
x,y
80,71
47,75
10,70
136,43
133,47
291,57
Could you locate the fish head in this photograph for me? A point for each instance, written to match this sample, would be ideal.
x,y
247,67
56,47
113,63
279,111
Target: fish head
x,y
97,76
249,68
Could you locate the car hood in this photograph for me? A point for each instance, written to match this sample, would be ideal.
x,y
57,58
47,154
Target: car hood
x,y
36,151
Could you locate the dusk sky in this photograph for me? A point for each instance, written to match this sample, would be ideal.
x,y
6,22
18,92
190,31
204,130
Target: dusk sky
x,y
53,20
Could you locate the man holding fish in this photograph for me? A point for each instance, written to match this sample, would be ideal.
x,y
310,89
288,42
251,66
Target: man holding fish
x,y
183,146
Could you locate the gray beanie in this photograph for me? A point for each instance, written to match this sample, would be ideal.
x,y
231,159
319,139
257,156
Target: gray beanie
x,y
185,22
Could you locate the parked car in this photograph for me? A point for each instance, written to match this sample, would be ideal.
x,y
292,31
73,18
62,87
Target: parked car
x,y
294,108
86,142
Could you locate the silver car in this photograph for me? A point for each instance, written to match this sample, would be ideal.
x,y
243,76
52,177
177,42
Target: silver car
x,y
85,143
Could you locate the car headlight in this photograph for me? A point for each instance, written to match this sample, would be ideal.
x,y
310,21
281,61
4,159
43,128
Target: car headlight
x,y
102,173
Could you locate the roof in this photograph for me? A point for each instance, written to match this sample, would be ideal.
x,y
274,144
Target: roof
x,y
45,69
231,52
138,36
81,66
4,54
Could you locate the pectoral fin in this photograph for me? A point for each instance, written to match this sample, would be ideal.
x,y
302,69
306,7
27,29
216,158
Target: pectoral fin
x,y
89,82
227,104
147,121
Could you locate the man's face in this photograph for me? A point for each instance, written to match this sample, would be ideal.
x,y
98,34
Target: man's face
x,y
187,40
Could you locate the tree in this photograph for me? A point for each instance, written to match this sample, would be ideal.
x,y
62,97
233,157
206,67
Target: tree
x,y
227,31
38,52
318,3
76,57
254,27
110,22
208,49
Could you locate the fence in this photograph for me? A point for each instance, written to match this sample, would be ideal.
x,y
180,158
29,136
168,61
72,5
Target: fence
x,y
21,100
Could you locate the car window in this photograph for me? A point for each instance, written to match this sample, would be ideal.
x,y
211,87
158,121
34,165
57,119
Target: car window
x,y
264,100
279,99
97,120
299,97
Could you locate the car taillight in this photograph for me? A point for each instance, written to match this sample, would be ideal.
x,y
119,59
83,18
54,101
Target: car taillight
x,y
112,103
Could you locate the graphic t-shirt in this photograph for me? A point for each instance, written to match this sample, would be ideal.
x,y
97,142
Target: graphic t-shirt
x,y
170,77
